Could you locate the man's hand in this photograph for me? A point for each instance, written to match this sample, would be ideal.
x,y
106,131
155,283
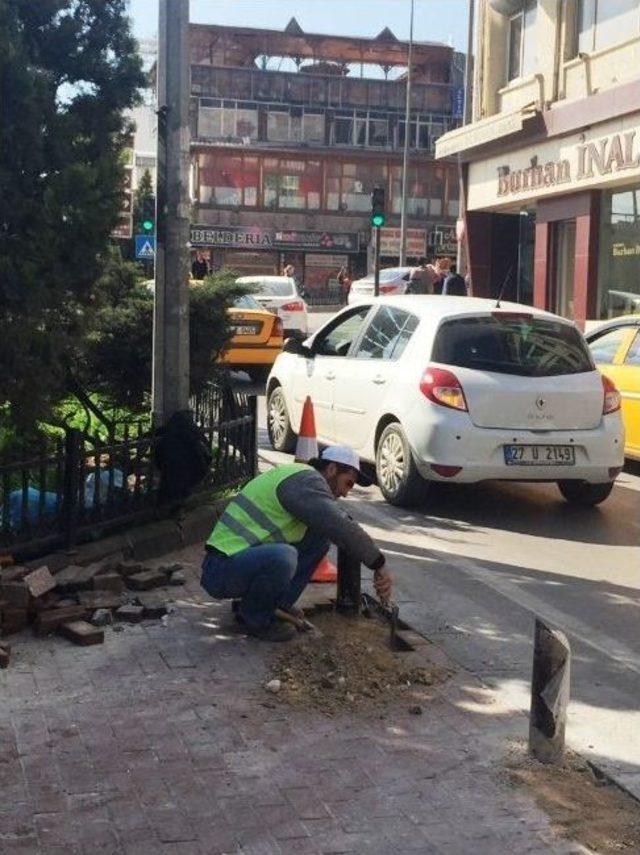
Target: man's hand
x,y
383,583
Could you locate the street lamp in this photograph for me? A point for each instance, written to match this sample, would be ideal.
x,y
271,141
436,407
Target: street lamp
x,y
405,158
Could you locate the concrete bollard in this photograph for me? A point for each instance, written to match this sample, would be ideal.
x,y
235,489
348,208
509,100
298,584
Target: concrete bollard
x,y
348,599
549,693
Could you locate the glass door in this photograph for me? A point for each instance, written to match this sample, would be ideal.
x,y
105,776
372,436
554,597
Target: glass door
x,y
562,274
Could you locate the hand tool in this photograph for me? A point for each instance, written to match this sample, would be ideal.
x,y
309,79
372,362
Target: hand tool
x,y
301,624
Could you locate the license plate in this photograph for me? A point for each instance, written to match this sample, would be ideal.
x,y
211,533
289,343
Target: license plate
x,y
246,329
539,455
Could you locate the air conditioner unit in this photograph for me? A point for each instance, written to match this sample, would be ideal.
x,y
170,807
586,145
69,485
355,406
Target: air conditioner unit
x,y
358,186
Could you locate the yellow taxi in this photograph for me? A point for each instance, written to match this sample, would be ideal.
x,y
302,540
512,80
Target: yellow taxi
x,y
615,347
257,338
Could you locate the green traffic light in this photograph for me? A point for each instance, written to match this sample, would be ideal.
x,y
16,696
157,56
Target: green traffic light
x,y
377,220
147,225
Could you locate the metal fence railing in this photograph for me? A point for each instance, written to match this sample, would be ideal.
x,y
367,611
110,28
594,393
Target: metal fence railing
x,y
328,295
76,488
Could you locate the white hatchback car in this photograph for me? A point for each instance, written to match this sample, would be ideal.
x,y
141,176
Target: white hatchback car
x,y
433,388
393,280
280,295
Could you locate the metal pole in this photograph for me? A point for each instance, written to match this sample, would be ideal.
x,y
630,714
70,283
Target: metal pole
x,y
171,307
348,593
467,117
405,157
376,262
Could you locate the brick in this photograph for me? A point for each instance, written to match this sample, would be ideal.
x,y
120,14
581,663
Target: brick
x,y
14,620
16,594
75,578
129,568
13,574
82,633
146,580
154,604
130,614
39,582
101,599
108,582
50,620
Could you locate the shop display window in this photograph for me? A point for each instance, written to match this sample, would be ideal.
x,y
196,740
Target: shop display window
x,y
619,256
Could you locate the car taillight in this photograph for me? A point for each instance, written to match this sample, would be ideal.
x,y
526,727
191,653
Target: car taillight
x,y
611,400
443,387
278,329
388,289
295,306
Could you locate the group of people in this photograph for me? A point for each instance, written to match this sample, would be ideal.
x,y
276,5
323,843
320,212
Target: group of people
x,y
437,277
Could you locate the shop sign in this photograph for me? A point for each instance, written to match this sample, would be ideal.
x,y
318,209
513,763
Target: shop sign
x,y
317,241
231,237
622,250
443,239
325,260
606,156
390,242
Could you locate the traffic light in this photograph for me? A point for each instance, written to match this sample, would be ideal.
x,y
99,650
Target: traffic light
x,y
148,217
377,207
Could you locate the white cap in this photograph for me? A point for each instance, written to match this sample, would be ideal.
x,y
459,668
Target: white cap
x,y
346,456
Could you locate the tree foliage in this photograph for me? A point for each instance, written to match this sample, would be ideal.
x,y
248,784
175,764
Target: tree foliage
x,y
68,70
118,354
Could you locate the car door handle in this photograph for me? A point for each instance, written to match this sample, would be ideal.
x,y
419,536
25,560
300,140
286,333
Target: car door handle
x,y
379,379
330,376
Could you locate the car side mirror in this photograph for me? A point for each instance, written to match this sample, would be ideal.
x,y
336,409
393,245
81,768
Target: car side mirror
x,y
294,345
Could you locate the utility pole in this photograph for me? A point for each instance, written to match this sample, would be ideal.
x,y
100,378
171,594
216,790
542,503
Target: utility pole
x,y
405,157
467,118
171,305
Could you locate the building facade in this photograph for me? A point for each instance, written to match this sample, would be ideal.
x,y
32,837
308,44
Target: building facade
x,y
552,156
292,131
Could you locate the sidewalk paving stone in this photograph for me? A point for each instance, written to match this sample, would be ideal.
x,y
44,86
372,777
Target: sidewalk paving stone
x,y
163,740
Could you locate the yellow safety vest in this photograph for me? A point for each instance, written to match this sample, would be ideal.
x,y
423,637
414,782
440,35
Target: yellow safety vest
x,y
256,516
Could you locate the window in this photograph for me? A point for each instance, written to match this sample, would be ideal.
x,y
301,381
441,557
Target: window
x,y
292,184
343,130
522,58
604,348
278,126
387,335
338,341
313,127
220,122
227,180
602,23
378,132
633,356
527,346
619,258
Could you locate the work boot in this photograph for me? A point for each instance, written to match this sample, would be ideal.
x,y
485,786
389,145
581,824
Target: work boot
x,y
278,630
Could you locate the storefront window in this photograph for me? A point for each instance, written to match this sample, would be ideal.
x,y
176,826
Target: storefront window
x,y
358,180
227,180
619,266
602,23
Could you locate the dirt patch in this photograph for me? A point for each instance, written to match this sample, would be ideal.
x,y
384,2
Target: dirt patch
x,y
350,665
582,806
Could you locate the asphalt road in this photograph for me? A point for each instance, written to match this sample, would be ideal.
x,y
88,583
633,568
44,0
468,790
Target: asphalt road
x,y
477,564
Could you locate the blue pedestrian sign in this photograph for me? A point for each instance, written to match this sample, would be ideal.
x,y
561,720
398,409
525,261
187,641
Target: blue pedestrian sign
x,y
146,246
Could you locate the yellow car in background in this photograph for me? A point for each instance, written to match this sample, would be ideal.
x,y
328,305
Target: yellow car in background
x,y
257,339
615,347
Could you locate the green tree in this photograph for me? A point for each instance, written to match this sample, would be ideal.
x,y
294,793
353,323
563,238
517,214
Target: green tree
x,y
116,361
68,71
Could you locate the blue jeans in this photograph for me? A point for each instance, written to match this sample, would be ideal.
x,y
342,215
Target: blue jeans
x,y
263,577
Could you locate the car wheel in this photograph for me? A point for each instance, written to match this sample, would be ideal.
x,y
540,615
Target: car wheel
x,y
583,493
281,434
398,477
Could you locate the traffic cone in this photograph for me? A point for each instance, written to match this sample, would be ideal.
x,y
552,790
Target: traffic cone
x,y
307,444
325,571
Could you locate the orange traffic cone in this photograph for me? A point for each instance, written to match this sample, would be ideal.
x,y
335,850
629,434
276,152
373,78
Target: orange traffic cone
x,y
307,445
325,571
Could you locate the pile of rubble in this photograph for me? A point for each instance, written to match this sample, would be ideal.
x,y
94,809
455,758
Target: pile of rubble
x,y
77,602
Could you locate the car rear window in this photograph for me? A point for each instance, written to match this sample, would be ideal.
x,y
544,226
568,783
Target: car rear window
x,y
526,345
275,287
246,301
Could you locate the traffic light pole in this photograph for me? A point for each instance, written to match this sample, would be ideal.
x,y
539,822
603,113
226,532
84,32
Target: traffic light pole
x,y
171,307
376,262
